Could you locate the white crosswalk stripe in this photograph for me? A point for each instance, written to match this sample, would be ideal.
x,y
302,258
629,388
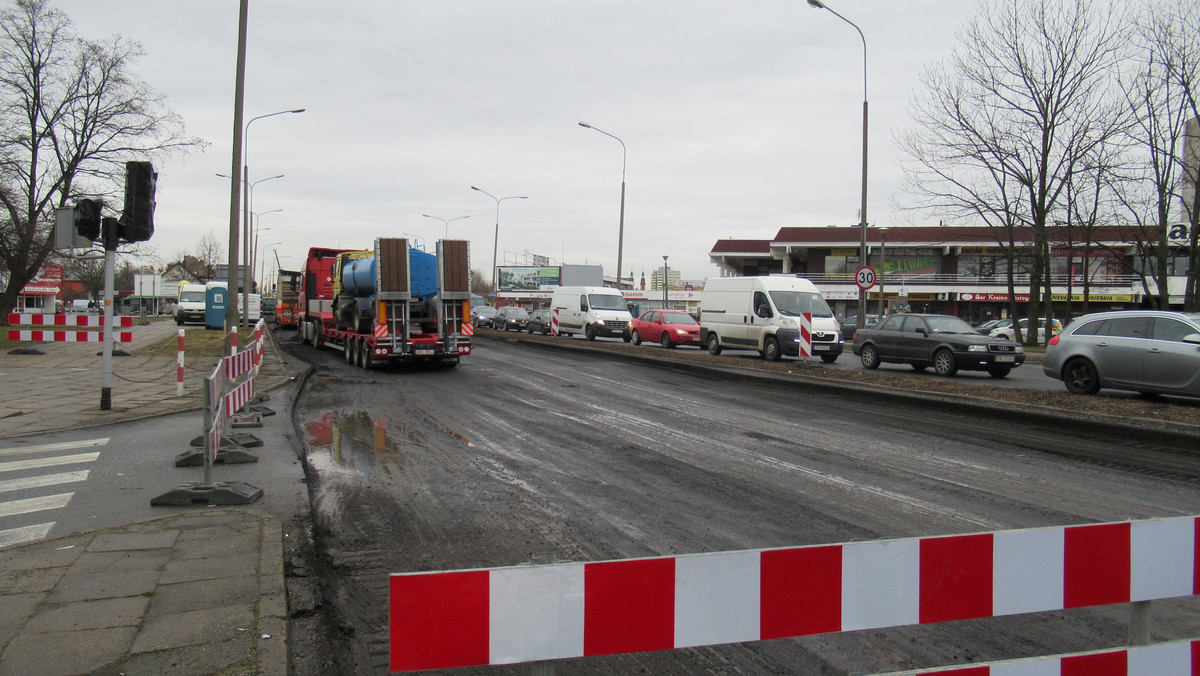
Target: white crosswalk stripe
x,y
39,493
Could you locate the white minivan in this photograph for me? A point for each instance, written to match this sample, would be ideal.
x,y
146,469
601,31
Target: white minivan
x,y
592,311
761,313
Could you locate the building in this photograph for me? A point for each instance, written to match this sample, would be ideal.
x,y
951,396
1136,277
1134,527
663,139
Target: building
x,y
961,271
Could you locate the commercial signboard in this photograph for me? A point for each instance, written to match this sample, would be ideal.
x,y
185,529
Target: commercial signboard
x,y
48,281
527,278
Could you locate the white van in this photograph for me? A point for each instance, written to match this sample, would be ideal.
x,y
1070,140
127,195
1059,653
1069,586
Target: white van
x,y
759,313
592,311
191,304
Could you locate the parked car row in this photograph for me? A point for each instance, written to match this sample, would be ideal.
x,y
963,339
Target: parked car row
x,y
945,342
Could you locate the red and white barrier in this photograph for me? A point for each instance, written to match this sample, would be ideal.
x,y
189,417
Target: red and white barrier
x,y
805,334
94,321
534,613
179,366
34,336
554,322
1173,658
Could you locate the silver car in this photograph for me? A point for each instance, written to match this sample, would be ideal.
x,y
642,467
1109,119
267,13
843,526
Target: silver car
x,y
1148,351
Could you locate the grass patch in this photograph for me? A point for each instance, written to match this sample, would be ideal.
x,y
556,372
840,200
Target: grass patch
x,y
198,343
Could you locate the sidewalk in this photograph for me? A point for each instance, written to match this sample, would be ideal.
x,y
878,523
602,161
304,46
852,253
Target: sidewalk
x,y
198,591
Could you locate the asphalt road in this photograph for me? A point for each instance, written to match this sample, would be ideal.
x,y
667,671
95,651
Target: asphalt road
x,y
527,453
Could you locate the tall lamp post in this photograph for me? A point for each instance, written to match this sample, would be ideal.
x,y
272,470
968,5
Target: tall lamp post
x,y
882,265
246,205
665,283
621,226
263,264
447,222
247,264
254,250
862,210
496,244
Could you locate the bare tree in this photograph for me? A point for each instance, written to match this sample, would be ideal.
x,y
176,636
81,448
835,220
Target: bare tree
x,y
71,113
1003,123
480,283
205,257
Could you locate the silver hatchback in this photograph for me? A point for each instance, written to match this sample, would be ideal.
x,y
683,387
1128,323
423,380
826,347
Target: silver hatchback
x,y
1148,351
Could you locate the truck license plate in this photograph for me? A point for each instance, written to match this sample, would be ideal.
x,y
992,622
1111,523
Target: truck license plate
x,y
1006,358
426,352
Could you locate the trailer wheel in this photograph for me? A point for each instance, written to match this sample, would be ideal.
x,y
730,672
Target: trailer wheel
x,y
318,340
348,349
303,331
366,358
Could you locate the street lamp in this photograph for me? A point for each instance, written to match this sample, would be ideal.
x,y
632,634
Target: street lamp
x,y
262,273
256,230
247,259
246,205
446,221
621,227
496,244
882,265
665,269
862,210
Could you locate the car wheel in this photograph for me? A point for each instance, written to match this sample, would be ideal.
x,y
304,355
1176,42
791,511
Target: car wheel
x,y
999,371
869,356
665,340
1080,377
714,344
771,349
829,358
529,330
589,332
635,338
944,364
302,329
920,367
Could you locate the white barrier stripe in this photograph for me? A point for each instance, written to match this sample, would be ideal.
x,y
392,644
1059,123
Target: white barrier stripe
x,y
880,584
717,599
536,613
1014,554
87,320
82,336
1162,558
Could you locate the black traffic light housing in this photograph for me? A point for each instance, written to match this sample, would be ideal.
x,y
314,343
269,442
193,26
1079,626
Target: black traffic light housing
x,y
137,220
87,219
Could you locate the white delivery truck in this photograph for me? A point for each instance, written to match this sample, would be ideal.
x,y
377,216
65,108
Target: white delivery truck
x,y
763,313
592,311
190,306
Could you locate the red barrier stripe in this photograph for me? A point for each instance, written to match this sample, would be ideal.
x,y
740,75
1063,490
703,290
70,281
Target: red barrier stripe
x,y
88,320
956,578
1096,565
31,336
801,591
439,621
629,606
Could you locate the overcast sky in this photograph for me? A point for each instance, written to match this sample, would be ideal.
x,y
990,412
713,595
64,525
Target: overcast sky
x,y
738,117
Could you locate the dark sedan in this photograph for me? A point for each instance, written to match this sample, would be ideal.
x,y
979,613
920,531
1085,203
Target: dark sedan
x,y
539,322
945,342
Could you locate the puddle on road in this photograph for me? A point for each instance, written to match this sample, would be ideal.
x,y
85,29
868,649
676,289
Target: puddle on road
x,y
356,441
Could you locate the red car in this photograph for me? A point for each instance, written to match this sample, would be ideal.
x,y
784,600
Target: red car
x,y
666,327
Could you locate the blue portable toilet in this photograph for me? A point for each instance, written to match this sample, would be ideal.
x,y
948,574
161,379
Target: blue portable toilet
x,y
215,299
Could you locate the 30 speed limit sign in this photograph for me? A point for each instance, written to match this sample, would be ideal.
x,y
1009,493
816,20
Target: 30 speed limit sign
x,y
865,277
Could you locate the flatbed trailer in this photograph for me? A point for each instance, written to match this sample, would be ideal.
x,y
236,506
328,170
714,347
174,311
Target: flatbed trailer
x,y
381,305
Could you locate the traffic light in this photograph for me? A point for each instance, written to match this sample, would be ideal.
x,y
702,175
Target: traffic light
x,y
87,219
137,220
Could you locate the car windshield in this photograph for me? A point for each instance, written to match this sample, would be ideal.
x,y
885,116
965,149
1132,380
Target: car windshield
x,y
517,312
191,296
796,303
678,318
949,325
485,310
606,301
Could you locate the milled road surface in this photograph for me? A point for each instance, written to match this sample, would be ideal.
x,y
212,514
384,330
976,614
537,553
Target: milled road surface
x,y
527,453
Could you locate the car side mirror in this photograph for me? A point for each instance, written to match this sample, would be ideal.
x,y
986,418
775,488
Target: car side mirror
x,y
922,330
763,311
1193,338
583,306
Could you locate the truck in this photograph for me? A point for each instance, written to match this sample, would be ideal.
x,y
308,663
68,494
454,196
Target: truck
x,y
392,303
287,296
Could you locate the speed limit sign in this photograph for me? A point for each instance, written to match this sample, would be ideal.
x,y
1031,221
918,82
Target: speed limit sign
x,y
865,277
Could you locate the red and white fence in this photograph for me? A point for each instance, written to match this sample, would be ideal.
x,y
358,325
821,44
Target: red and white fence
x,y
535,613
220,404
1171,658
81,321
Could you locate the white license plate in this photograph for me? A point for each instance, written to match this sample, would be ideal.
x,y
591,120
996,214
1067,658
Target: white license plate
x,y
1003,358
423,353
821,348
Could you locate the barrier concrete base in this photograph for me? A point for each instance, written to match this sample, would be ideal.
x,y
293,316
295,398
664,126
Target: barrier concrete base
x,y
224,493
226,455
238,439
246,420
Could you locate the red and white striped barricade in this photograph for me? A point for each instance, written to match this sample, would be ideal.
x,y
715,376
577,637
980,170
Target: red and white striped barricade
x,y
81,321
554,322
179,365
1170,658
536,613
805,337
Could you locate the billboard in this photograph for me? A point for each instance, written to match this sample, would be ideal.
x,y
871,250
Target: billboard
x,y
527,278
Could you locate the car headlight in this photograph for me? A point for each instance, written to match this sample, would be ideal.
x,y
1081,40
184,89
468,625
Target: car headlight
x,y
680,332
1020,348
977,348
785,323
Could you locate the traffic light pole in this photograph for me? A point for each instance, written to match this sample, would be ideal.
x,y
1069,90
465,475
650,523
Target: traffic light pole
x,y
111,235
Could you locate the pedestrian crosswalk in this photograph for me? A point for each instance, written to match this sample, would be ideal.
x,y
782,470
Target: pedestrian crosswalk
x,y
35,481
